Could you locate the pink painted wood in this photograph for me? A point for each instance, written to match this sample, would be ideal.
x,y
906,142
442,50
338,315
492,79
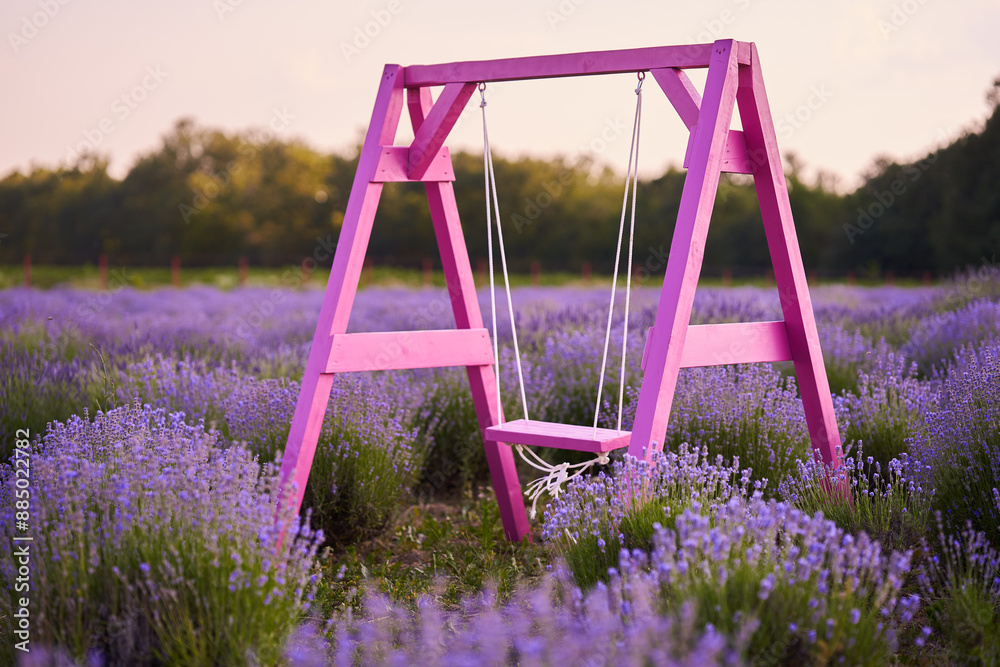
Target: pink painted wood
x,y
733,78
560,436
735,159
683,96
394,166
687,102
687,249
736,343
434,129
789,273
565,64
465,304
395,350
348,260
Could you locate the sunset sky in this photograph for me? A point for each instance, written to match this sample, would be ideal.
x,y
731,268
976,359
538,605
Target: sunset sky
x,y
865,79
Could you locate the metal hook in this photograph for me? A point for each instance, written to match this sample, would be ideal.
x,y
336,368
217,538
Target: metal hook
x,y
642,76
482,94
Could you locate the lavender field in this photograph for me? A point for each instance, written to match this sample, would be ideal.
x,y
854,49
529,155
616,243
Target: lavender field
x,y
155,421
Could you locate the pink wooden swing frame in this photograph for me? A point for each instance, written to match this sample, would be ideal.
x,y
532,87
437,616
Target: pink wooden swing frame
x,y
734,81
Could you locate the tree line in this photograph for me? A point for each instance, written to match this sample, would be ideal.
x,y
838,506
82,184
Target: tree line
x,y
211,197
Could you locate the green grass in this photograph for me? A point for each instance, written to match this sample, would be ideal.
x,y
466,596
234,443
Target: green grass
x,y
453,550
147,277
86,276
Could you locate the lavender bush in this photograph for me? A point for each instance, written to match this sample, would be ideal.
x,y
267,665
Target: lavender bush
x,y
885,503
749,412
748,582
258,414
887,408
448,434
961,442
961,580
365,462
36,388
935,339
688,592
152,545
971,284
596,517
552,624
192,386
846,354
783,577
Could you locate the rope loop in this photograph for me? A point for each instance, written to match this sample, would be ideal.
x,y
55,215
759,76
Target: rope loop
x,y
482,94
642,77
555,475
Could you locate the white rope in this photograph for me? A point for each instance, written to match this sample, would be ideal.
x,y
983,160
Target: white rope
x,y
489,250
631,247
492,181
555,475
632,151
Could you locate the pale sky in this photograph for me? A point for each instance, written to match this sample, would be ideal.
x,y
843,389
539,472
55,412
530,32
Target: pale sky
x,y
895,77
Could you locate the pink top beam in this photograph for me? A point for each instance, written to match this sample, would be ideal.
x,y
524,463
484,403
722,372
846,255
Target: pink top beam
x,y
567,64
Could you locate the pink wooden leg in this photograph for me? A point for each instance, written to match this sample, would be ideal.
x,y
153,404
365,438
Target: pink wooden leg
x,y
462,291
482,381
345,272
687,249
789,274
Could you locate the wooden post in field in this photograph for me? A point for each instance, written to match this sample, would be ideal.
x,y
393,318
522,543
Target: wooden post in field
x,y
102,272
27,270
850,279
306,269
927,279
536,273
813,277
481,271
369,273
585,273
427,278
242,272
727,277
890,278
175,271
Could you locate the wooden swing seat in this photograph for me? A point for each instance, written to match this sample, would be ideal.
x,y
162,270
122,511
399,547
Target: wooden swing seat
x,y
536,433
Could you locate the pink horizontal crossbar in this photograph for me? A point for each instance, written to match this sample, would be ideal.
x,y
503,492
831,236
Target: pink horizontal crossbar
x,y
735,343
559,436
735,158
393,167
567,64
397,350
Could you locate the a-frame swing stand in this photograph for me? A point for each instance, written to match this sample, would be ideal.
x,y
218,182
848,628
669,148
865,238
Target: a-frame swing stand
x,y
734,80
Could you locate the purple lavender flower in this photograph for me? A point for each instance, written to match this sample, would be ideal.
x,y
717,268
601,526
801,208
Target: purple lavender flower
x,y
116,547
